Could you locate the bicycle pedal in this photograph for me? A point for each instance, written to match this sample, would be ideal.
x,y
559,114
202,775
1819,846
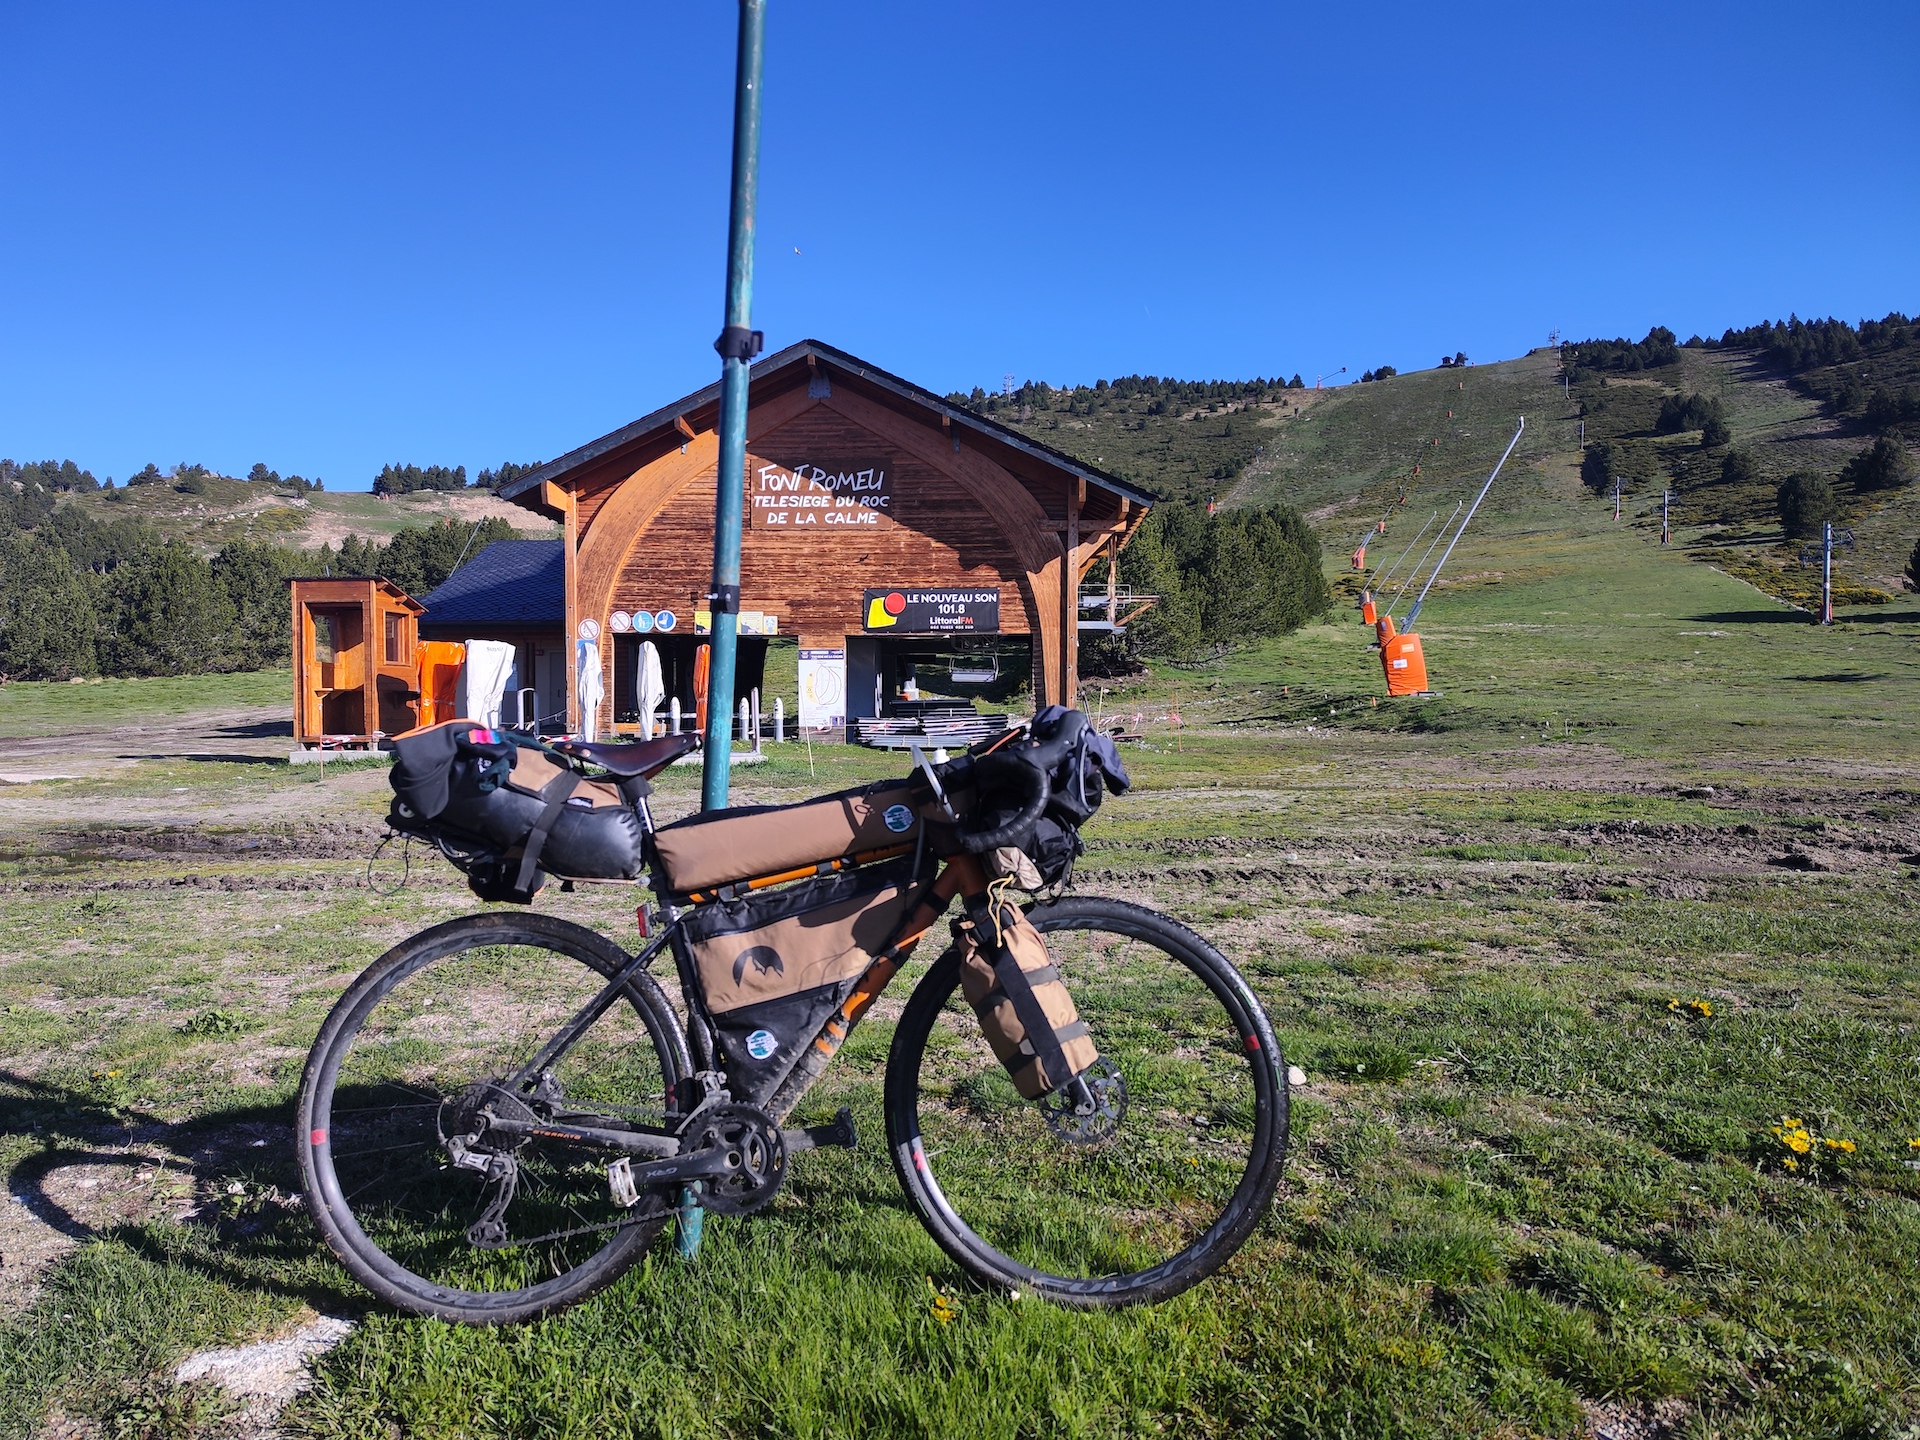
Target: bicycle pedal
x,y
837,1133
620,1183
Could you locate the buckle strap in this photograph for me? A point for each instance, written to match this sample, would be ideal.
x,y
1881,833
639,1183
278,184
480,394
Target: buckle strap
x,y
1014,981
555,796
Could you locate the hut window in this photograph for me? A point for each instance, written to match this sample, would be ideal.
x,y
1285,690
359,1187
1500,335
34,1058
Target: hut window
x,y
396,639
326,639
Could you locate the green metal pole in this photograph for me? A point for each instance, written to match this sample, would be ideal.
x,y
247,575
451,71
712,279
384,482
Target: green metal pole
x,y
737,346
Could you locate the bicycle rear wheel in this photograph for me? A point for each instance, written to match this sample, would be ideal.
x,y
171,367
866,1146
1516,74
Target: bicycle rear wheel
x,y
414,1053
1128,1207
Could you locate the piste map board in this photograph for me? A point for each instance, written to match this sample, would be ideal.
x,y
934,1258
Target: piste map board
x,y
933,612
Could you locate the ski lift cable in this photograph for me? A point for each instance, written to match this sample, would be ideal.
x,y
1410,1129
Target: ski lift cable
x,y
1434,544
1382,578
1414,613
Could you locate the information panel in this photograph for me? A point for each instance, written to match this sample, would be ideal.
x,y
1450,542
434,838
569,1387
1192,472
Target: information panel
x,y
933,612
823,689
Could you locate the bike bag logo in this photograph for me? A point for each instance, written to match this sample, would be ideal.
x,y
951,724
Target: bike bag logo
x,y
899,818
765,961
761,1044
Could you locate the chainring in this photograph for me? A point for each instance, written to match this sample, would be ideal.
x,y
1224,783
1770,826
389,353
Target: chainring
x,y
755,1154
1091,1118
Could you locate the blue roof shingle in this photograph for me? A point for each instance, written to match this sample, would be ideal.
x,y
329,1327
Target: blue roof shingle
x,y
511,582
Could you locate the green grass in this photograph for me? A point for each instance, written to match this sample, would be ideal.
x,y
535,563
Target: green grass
x,y
1526,1190
31,707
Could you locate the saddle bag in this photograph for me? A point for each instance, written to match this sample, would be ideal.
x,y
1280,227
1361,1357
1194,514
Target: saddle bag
x,y
774,966
721,847
1028,1016
510,810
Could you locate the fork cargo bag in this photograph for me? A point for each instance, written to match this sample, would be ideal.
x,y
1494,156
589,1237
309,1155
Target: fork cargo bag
x,y
719,847
774,966
995,991
481,790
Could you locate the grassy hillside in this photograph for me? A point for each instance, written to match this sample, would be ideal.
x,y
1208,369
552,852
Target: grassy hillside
x,y
1345,457
232,509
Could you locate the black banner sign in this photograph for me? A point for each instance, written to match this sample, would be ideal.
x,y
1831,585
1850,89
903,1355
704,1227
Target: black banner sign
x,y
933,612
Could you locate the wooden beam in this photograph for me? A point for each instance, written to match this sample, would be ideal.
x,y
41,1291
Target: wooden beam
x,y
553,496
1070,576
680,424
572,548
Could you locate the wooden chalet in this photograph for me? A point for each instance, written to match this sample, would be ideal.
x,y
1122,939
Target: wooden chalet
x,y
881,521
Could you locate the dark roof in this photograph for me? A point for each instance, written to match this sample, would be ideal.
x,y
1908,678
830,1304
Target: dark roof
x,y
664,418
511,582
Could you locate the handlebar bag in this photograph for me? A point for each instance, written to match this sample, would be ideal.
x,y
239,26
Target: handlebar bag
x,y
484,791
1025,1010
720,847
774,966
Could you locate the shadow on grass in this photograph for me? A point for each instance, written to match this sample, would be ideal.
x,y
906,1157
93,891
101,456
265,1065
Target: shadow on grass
x,y
252,1238
1753,617
258,730
208,759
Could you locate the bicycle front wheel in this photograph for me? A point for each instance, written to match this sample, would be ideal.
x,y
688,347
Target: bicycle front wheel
x,y
418,1053
1143,1198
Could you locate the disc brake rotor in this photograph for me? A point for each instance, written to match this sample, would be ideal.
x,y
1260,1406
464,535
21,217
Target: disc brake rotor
x,y
1088,1110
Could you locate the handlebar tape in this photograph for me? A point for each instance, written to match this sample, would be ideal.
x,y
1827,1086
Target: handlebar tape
x,y
1014,771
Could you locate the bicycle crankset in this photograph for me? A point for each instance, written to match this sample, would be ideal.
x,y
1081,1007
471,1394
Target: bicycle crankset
x,y
750,1151
1088,1108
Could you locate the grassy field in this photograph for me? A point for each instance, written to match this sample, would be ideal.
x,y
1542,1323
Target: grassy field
x,y
51,707
1559,951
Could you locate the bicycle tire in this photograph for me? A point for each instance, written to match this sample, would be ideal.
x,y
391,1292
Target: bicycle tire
x,y
946,1100
321,1141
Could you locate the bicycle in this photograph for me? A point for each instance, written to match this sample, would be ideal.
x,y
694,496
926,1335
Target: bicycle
x,y
501,1113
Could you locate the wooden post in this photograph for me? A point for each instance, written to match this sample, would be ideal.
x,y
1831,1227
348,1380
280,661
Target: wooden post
x,y
576,722
1070,578
1113,579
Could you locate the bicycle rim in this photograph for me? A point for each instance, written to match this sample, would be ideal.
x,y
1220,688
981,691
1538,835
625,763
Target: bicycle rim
x,y
1182,1168
417,1047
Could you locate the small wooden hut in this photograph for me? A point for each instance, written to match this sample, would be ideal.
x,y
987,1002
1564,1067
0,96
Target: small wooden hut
x,y
355,672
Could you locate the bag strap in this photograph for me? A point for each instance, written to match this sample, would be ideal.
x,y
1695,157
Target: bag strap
x,y
555,795
1045,1040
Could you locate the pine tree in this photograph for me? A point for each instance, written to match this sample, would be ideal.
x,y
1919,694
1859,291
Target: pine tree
x,y
47,615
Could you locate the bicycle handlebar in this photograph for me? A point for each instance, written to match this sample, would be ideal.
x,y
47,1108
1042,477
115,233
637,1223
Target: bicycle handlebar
x,y
1012,771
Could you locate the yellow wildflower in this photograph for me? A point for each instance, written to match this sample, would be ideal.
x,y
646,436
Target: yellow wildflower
x,y
1847,1146
944,1310
1791,1163
1700,1007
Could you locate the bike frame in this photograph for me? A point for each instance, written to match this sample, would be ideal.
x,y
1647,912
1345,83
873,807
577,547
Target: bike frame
x,y
961,875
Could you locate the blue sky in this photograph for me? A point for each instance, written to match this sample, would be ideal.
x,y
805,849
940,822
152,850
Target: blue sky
x,y
330,236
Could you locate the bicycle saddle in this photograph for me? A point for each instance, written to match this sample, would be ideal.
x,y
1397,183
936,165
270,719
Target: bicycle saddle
x,y
645,758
